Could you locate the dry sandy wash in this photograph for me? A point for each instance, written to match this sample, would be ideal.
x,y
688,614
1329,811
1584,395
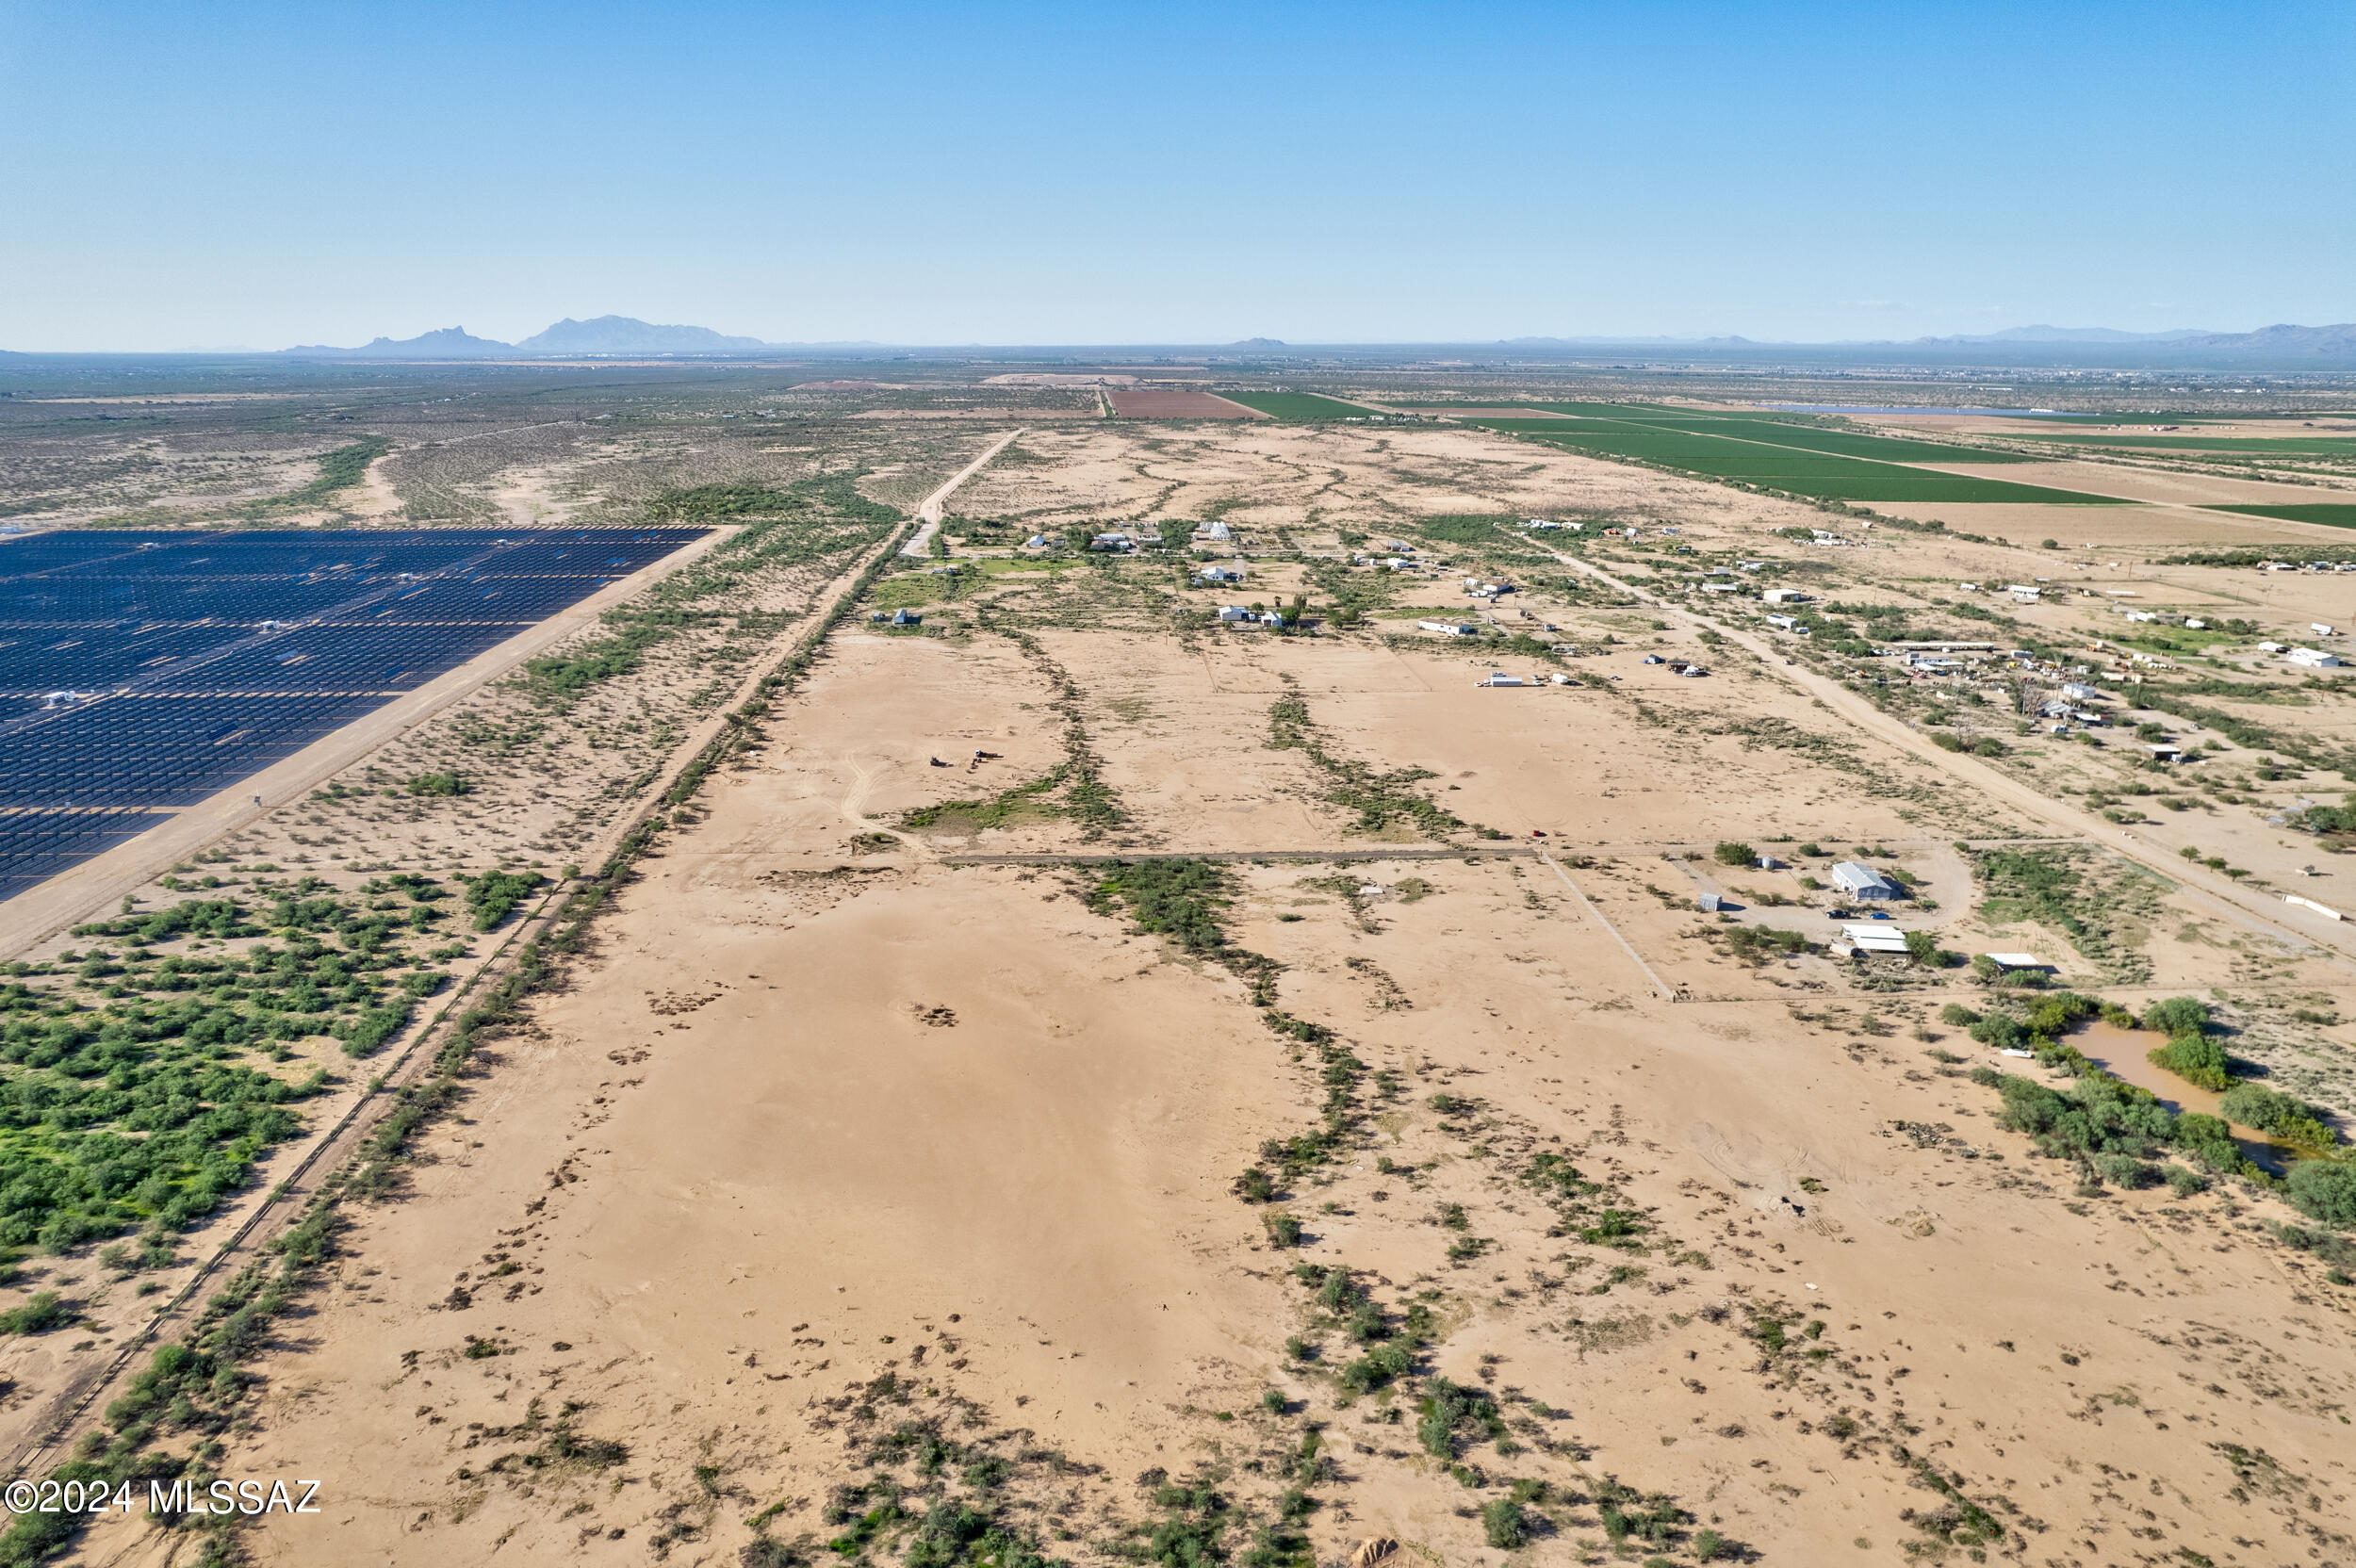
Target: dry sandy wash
x,y
854,1194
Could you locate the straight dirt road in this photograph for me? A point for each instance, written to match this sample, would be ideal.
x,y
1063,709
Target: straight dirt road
x,y
929,515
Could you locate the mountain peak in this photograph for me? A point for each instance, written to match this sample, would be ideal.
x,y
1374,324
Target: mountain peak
x,y
627,334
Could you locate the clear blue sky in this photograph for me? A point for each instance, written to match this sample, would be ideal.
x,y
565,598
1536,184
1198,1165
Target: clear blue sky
x,y
265,175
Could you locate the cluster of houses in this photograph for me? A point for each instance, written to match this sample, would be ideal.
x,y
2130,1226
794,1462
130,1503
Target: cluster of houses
x,y
1678,666
2307,566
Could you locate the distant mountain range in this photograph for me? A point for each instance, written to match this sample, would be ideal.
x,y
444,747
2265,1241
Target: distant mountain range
x,y
2276,347
2282,347
607,335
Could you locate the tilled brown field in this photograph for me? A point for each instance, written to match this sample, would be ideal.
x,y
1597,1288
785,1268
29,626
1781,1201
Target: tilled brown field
x,y
1158,403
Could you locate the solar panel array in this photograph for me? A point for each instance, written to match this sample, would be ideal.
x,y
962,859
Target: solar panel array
x,y
142,672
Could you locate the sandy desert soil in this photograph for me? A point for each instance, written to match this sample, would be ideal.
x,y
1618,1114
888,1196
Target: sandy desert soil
x,y
849,1186
812,1124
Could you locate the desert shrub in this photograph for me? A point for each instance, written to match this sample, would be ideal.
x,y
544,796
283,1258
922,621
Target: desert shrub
x,y
2178,1014
2125,1171
1956,1015
1757,945
35,1316
1254,1185
2209,1141
492,896
1177,899
1376,1368
2324,1190
1447,1407
1282,1229
2277,1114
2100,1114
1732,854
2184,1183
1504,1525
438,784
1709,1546
2194,1058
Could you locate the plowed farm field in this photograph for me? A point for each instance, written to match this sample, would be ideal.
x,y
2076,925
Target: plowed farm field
x,y
1177,403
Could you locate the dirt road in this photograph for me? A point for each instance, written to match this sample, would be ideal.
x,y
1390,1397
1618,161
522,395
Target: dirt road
x,y
929,515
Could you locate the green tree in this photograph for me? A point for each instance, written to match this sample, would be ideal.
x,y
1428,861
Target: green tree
x,y
2324,1190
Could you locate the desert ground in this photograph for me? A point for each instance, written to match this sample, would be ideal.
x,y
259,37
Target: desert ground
x,y
1076,1079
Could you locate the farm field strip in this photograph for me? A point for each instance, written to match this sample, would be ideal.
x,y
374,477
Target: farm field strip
x,y
2296,445
2330,514
1831,464
1176,403
1297,407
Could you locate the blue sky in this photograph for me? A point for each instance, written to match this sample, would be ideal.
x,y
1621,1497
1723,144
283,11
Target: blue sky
x,y
234,173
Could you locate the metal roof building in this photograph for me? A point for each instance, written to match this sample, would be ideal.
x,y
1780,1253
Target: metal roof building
x,y
1859,880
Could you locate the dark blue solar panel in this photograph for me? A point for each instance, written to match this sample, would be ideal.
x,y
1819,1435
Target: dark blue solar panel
x,y
141,670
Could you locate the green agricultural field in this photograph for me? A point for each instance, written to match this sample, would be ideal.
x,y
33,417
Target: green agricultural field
x,y
2331,514
1804,459
2298,446
1297,407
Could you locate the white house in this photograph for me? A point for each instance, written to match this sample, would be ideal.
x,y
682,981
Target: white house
x,y
2313,659
1783,596
1234,612
1449,629
1218,574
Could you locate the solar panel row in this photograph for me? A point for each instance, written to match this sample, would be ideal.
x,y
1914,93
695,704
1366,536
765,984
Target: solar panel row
x,y
141,670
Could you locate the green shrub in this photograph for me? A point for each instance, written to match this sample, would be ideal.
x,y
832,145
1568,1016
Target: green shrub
x,y
494,895
438,784
1732,854
2125,1171
2178,1014
2183,1182
1282,1229
1956,1015
2324,1190
2194,1058
1504,1523
2277,1114
35,1316
1709,1546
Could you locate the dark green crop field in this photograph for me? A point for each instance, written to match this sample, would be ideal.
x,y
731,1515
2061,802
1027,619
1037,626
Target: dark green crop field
x,y
2298,446
1297,407
1804,459
2333,514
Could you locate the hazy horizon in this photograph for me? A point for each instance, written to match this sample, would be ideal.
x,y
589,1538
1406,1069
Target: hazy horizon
x,y
922,174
